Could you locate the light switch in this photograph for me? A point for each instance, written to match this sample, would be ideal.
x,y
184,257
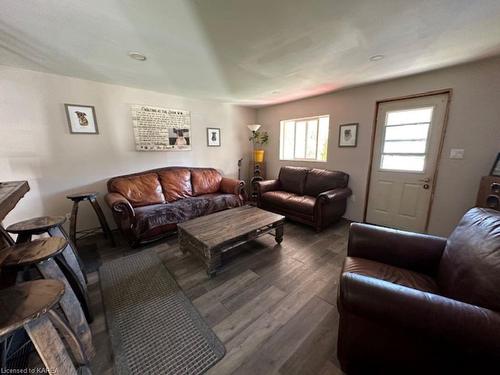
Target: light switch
x,y
457,153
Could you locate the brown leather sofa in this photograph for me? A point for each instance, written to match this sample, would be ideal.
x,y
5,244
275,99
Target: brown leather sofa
x,y
149,204
413,303
315,197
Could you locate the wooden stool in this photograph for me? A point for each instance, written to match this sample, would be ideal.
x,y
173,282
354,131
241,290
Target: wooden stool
x,y
29,306
91,197
52,225
40,254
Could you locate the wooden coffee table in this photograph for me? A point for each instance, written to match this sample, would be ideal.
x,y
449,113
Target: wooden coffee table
x,y
209,236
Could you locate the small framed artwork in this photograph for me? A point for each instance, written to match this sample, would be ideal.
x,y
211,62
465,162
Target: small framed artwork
x,y
81,119
495,170
348,135
213,137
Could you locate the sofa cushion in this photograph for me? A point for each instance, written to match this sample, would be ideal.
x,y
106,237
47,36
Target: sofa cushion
x,y
293,179
176,183
391,274
150,218
289,201
141,190
205,181
469,270
321,180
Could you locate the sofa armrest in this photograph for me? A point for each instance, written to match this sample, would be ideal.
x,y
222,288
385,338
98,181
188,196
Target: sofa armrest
x,y
267,185
232,186
414,251
334,194
119,204
469,327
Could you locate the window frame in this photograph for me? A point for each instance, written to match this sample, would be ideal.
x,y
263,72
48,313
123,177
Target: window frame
x,y
281,150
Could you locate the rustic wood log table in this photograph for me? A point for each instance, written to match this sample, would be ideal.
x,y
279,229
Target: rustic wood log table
x,y
207,237
41,254
29,306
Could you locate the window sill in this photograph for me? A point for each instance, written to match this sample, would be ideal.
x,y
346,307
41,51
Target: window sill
x,y
305,160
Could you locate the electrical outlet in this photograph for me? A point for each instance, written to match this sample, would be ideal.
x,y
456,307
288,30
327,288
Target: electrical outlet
x,y
353,198
68,215
457,153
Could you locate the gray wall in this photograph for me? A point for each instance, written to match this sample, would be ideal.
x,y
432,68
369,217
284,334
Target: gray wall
x,y
37,145
474,125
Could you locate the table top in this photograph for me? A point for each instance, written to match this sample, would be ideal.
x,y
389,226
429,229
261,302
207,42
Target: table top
x,y
223,226
84,195
25,302
35,251
10,193
36,225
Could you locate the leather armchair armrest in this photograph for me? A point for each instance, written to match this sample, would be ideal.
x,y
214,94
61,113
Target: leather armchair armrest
x,y
414,251
267,185
471,328
232,186
119,204
334,194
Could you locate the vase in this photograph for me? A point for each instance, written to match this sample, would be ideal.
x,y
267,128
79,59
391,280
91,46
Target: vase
x,y
258,156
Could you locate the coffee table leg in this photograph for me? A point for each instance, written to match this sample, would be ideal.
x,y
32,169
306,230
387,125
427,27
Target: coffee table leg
x,y
182,242
213,265
279,233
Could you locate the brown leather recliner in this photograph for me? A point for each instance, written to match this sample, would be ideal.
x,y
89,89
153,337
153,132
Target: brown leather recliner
x,y
148,205
413,303
315,197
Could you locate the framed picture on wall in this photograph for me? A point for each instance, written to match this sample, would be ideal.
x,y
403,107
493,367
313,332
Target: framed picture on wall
x,y
348,135
495,170
81,119
213,137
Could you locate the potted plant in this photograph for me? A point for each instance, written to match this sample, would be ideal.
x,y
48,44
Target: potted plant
x,y
259,139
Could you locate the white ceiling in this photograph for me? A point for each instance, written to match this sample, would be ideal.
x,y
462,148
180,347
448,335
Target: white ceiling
x,y
252,52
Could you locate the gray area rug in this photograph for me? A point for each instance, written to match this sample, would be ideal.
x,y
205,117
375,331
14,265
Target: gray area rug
x,y
154,327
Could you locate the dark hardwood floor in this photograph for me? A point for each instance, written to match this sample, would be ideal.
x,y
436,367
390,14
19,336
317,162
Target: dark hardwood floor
x,y
274,307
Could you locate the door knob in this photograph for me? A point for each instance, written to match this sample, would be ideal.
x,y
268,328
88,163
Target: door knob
x,y
426,186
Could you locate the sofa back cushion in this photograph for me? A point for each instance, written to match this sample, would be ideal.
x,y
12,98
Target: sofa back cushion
x,y
205,181
293,179
141,190
320,180
469,270
176,183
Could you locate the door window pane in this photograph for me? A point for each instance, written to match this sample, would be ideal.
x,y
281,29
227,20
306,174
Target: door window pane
x,y
404,147
403,162
409,116
406,132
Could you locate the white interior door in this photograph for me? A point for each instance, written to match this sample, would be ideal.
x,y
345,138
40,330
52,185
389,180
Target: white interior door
x,y
405,156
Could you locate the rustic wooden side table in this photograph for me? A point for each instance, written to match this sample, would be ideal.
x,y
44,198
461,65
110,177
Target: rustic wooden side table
x,y
91,197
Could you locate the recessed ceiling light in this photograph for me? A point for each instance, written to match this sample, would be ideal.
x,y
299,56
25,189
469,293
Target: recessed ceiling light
x,y
137,56
376,57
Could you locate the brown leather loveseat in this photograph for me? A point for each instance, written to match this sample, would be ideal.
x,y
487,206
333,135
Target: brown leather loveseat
x,y
413,303
315,197
149,204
